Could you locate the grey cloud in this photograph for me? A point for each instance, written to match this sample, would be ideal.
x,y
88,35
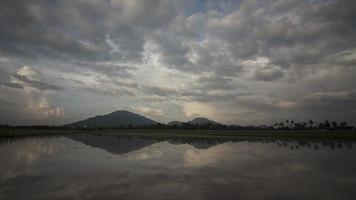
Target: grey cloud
x,y
79,29
217,83
36,84
12,85
106,68
6,81
337,105
336,101
268,74
6,103
201,93
158,91
111,92
103,45
174,52
290,33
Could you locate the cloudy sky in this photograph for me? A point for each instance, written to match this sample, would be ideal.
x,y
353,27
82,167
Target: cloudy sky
x,y
234,61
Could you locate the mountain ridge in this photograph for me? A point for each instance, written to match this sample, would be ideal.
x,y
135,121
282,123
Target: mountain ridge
x,y
114,119
195,121
202,121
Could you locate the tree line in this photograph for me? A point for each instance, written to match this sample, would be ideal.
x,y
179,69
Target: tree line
x,y
282,125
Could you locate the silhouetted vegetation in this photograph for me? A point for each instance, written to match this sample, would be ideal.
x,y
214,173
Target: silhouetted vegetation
x,y
283,125
281,130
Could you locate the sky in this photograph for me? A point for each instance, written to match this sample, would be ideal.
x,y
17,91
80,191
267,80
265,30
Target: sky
x,y
233,61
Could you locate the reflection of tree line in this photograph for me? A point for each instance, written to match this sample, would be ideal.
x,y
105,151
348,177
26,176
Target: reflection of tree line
x,y
283,125
11,140
315,144
121,144
291,144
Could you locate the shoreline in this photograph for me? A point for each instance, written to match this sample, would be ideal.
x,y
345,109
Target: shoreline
x,y
212,134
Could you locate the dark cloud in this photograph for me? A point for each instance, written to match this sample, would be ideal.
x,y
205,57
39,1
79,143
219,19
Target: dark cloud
x,y
6,81
72,29
36,84
217,83
268,74
85,30
325,102
12,85
6,103
111,92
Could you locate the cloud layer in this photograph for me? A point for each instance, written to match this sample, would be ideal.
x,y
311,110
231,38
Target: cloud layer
x,y
241,62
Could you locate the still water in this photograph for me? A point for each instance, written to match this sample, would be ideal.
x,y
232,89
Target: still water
x,y
111,167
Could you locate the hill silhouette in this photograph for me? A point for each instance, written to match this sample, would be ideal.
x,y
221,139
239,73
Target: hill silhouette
x,y
202,121
115,119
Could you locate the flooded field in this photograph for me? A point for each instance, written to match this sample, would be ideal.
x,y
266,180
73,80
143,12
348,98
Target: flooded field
x,y
111,167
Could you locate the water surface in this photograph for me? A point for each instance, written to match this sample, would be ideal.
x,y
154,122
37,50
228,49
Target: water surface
x,y
110,167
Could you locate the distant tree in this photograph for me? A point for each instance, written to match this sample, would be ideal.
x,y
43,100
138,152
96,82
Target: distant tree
x,y
305,125
343,125
334,124
276,125
281,125
311,124
327,124
288,124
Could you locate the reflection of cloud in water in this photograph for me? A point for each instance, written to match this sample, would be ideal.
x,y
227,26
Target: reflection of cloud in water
x,y
32,150
144,154
198,143
200,158
25,156
76,168
298,167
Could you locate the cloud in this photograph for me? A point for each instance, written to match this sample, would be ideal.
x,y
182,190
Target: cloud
x,y
268,74
28,76
41,109
5,80
12,85
331,101
43,28
36,84
6,103
265,60
108,91
148,111
196,109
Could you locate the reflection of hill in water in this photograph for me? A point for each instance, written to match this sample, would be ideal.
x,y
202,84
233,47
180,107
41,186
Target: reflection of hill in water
x,y
121,144
124,144
113,144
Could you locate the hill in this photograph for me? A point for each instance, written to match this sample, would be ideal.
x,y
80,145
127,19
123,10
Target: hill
x,y
173,123
114,119
202,121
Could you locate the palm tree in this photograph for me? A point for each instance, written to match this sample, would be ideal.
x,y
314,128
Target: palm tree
x,y
292,122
